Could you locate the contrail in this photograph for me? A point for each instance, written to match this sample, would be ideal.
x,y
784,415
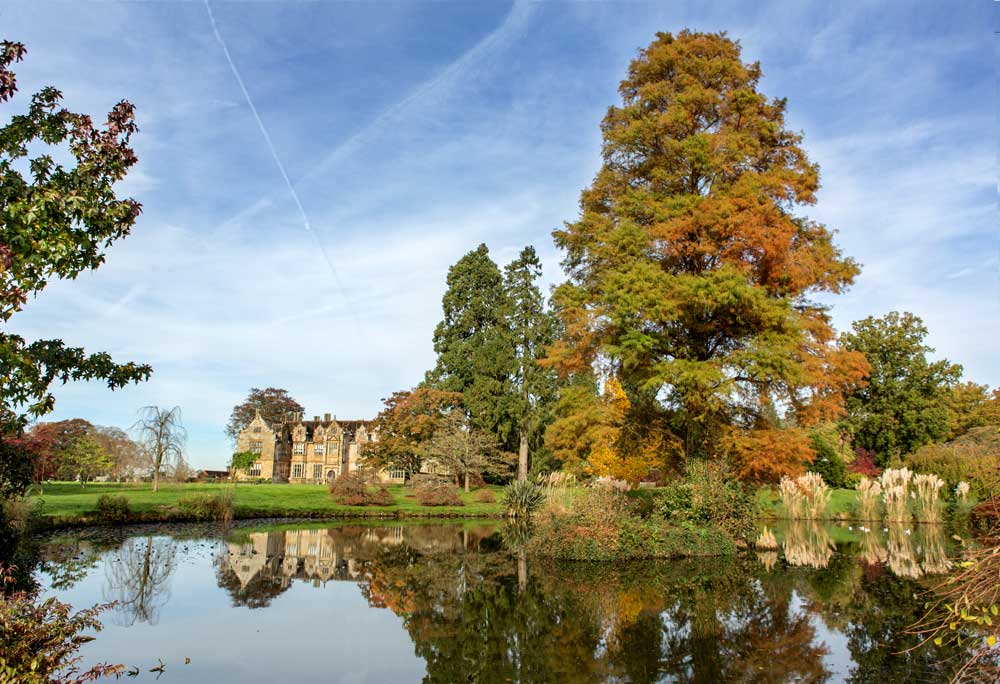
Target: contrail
x,y
518,16
277,160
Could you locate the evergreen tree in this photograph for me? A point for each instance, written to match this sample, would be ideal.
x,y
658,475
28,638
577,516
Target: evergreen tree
x,y
690,275
532,331
907,401
472,343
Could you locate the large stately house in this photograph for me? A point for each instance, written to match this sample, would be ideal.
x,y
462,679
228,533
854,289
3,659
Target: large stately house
x,y
307,451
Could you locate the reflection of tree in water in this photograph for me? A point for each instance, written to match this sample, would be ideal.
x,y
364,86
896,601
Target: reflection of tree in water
x,y
880,635
471,620
138,578
479,613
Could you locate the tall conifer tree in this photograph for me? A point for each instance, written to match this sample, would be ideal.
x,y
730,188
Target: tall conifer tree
x,y
532,330
471,342
690,274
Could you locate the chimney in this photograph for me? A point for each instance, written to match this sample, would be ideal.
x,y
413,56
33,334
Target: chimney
x,y
315,419
326,417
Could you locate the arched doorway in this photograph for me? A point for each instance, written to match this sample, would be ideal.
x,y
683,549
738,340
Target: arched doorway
x,y
331,475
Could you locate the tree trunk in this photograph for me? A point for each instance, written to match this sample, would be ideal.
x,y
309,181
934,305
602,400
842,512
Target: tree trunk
x,y
156,477
466,480
522,570
522,457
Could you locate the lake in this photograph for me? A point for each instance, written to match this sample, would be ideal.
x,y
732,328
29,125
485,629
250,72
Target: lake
x,y
448,602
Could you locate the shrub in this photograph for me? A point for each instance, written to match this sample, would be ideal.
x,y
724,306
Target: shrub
x,y
113,508
896,493
521,499
864,464
805,497
39,639
973,458
869,493
438,495
827,463
485,496
709,498
928,490
600,527
208,506
356,489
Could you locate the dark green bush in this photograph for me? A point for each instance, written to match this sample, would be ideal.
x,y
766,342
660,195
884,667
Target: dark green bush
x,y
113,508
602,526
707,498
828,462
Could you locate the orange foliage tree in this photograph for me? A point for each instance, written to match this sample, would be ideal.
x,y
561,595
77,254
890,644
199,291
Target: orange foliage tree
x,y
406,425
690,274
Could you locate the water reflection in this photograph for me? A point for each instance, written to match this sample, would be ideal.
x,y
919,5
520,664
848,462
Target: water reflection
x,y
138,578
913,552
833,605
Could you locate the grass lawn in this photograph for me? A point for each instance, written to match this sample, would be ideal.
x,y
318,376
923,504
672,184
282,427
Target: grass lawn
x,y
66,501
843,502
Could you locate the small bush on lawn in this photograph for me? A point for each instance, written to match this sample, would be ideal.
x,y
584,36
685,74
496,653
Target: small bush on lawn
x,y
600,526
438,495
485,496
709,498
113,508
208,506
356,489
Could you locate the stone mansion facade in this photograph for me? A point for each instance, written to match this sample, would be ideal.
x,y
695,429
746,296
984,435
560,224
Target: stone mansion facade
x,y
307,451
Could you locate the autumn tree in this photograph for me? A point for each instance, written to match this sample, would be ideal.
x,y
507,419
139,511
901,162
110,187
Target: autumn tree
x,y
56,221
531,328
692,278
906,401
274,405
161,432
465,449
405,426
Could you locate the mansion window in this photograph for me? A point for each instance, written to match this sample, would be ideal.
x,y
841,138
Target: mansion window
x,y
317,471
298,448
256,447
319,450
297,470
254,470
397,474
256,428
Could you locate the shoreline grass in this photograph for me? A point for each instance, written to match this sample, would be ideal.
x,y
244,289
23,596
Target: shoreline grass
x,y
66,504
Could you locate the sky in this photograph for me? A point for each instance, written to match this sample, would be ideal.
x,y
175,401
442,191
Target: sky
x,y
309,171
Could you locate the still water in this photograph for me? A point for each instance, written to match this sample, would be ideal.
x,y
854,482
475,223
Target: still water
x,y
449,603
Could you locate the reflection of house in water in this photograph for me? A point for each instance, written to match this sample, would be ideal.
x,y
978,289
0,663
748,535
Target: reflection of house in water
x,y
339,553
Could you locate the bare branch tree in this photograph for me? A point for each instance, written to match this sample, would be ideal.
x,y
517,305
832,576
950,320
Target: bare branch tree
x,y
163,434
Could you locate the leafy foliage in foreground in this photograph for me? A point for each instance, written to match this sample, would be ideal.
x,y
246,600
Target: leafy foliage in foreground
x,y
39,639
56,223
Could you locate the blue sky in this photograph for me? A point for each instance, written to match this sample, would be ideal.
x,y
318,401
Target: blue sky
x,y
411,132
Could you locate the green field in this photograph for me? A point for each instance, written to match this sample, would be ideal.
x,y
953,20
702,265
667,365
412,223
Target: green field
x,y
71,502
